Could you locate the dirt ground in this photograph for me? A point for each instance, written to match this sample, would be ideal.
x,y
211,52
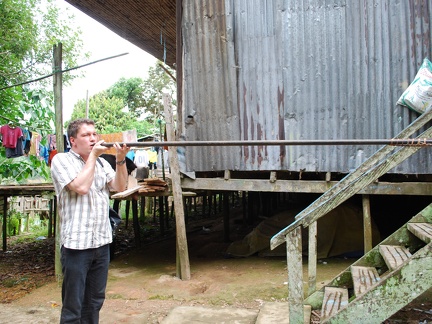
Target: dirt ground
x,y
143,287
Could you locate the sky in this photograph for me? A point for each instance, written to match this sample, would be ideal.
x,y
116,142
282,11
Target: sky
x,y
102,43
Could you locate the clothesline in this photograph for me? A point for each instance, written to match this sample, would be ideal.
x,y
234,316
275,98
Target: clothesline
x,y
62,71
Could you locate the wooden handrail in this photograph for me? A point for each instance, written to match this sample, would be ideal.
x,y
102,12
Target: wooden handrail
x,y
321,206
370,170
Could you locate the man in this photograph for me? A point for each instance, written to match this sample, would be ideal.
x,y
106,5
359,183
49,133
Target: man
x,y
82,181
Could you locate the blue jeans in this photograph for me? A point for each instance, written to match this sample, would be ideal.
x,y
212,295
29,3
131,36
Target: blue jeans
x,y
85,274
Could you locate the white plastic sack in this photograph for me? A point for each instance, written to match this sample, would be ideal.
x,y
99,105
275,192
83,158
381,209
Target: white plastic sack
x,y
418,96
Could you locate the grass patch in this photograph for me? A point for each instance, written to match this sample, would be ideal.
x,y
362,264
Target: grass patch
x,y
115,296
162,297
27,237
11,282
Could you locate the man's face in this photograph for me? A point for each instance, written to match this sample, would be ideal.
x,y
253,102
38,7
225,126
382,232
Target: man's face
x,y
84,140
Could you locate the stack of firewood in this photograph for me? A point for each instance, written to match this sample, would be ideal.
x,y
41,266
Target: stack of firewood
x,y
153,185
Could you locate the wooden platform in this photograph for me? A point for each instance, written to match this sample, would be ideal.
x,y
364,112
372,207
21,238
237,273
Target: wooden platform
x,y
363,278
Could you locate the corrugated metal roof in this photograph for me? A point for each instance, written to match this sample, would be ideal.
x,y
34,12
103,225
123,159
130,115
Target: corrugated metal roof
x,y
300,69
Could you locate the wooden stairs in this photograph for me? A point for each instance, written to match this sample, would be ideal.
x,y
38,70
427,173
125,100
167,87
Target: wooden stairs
x,y
371,290
384,280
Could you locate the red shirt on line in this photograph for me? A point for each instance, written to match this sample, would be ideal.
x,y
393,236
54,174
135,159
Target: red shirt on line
x,y
10,135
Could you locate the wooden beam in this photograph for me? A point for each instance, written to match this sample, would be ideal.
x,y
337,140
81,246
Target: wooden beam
x,y
366,174
58,110
303,186
367,224
183,265
295,275
312,257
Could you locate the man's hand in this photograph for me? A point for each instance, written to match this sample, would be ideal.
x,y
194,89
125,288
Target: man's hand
x,y
121,151
120,181
98,149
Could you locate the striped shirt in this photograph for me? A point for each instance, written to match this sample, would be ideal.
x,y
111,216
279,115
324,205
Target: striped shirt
x,y
84,221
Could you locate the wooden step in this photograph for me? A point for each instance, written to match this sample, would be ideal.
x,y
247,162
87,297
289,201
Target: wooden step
x,y
422,230
307,310
363,278
394,255
334,299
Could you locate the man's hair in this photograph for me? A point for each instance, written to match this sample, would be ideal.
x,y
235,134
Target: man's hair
x,y
75,125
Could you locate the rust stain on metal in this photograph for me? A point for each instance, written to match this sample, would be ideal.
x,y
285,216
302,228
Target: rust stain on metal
x,y
260,147
281,122
253,153
419,10
245,126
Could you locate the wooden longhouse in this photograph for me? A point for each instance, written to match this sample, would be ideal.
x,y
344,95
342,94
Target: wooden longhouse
x,y
297,70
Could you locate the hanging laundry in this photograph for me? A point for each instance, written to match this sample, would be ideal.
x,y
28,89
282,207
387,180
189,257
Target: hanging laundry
x,y
35,145
43,153
17,151
52,148
67,144
52,142
10,135
26,140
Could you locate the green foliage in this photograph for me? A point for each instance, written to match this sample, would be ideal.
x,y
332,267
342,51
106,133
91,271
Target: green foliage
x,y
13,224
108,113
130,104
19,170
130,92
28,31
157,83
31,236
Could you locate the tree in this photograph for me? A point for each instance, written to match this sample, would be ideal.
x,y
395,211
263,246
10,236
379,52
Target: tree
x,y
157,83
144,97
109,114
28,31
130,103
105,111
130,91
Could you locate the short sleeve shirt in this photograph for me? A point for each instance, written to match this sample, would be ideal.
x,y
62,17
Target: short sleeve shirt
x,y
141,158
10,135
84,221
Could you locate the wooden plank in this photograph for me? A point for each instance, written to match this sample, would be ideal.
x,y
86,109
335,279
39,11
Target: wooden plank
x,y
363,278
125,193
155,181
394,255
335,298
189,194
422,230
157,188
303,186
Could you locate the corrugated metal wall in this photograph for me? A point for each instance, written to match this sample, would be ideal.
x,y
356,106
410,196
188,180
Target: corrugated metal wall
x,y
300,69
